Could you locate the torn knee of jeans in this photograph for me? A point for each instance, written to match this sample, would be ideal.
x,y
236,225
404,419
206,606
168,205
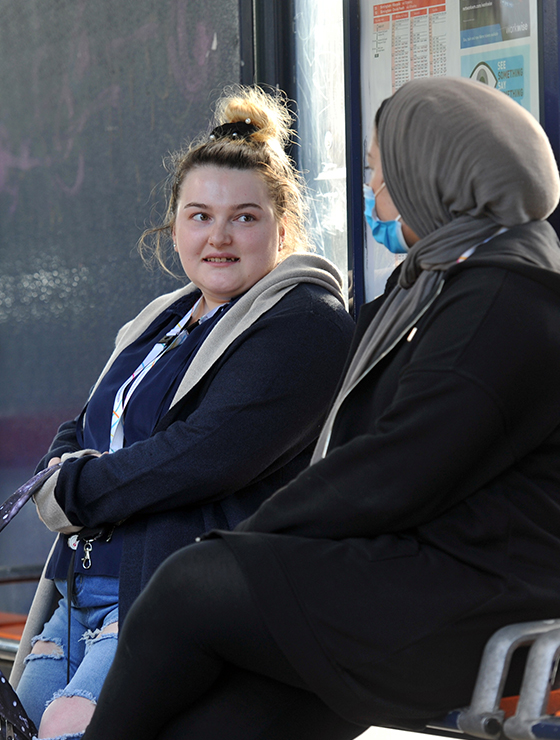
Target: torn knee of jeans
x,y
54,649
68,694
96,636
111,627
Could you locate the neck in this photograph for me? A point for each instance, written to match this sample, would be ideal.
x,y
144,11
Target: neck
x,y
201,309
204,307
208,304
198,312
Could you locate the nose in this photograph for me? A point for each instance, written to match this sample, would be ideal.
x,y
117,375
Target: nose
x,y
219,233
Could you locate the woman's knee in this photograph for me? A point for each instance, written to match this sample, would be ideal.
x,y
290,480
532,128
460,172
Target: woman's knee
x,y
199,581
190,577
71,709
47,647
193,563
110,629
67,715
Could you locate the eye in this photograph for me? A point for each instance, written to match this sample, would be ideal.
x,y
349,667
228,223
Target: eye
x,y
369,174
200,217
246,218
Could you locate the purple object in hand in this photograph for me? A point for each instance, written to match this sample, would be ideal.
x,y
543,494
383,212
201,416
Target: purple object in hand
x,y
14,722
13,503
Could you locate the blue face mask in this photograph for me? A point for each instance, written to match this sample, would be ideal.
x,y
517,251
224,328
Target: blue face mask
x,y
388,233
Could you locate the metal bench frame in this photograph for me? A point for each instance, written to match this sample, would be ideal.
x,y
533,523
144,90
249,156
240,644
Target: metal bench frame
x,y
484,718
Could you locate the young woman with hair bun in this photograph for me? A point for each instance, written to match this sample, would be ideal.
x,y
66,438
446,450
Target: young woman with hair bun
x,y
211,401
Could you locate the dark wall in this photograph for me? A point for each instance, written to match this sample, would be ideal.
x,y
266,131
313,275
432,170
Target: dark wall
x,y
93,93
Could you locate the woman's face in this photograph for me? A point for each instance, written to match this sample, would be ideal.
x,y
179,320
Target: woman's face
x,y
226,231
384,206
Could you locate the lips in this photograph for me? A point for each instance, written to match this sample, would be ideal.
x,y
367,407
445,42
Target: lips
x,y
220,260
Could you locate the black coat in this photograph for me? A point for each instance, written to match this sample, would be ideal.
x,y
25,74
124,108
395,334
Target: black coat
x,y
435,518
244,431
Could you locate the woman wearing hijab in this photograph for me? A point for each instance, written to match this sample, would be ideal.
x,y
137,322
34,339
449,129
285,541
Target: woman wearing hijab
x,y
364,591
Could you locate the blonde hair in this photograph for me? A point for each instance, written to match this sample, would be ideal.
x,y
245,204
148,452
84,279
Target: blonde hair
x,y
262,151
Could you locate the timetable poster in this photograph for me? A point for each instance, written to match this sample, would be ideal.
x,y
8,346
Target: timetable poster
x,y
492,41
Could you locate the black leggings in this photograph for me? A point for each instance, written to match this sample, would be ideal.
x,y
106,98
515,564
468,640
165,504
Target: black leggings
x,y
196,662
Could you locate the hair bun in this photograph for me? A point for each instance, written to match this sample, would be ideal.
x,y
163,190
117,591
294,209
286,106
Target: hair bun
x,y
236,130
268,114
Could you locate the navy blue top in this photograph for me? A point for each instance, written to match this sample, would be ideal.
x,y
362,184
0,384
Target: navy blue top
x,y
241,433
146,407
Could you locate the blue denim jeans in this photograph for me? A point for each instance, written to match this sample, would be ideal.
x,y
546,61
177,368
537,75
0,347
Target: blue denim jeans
x,y
93,607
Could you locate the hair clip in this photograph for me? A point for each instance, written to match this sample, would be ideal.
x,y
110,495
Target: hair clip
x,y
235,130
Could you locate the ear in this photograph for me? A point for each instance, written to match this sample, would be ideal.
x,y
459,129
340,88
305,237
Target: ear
x,y
173,239
281,234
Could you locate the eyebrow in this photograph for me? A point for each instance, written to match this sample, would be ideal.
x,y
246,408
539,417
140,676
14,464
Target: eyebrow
x,y
237,207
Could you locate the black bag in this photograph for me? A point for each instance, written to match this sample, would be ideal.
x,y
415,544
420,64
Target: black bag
x,y
14,722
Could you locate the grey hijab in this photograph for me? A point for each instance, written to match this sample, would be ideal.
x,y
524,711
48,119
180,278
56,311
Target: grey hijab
x,y
460,161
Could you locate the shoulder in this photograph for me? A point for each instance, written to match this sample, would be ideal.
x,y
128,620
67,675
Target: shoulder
x,y
491,322
529,250
503,300
314,297
505,285
307,323
309,312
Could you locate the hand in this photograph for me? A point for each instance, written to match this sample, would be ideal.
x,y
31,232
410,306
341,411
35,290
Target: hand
x,y
50,513
56,460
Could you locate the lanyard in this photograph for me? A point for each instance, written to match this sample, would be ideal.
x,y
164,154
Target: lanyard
x,y
174,338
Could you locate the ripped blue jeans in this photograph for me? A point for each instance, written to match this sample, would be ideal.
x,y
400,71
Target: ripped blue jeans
x,y
94,607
